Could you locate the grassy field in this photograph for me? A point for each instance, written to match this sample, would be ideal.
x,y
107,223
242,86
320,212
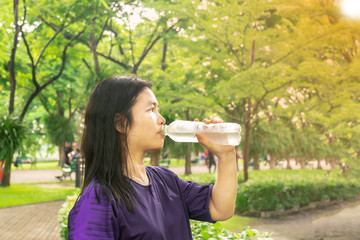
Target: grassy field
x,y
284,173
38,165
174,162
18,194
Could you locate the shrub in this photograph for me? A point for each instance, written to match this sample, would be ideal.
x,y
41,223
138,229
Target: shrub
x,y
204,230
63,215
285,192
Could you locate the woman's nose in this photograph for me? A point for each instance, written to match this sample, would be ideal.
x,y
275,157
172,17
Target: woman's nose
x,y
162,120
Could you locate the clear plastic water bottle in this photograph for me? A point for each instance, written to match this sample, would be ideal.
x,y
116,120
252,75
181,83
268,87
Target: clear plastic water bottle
x,y
220,133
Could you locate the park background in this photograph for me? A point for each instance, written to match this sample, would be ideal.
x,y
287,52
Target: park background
x,y
286,71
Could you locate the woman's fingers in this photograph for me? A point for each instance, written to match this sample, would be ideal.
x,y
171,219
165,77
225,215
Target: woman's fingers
x,y
212,120
205,120
203,141
217,149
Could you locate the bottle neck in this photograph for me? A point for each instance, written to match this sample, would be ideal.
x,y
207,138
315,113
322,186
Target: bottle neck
x,y
164,129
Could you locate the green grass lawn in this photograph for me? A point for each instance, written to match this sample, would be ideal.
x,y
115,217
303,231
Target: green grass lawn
x,y
174,162
38,165
18,194
284,172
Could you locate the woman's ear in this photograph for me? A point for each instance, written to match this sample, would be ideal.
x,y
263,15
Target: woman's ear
x,y
120,123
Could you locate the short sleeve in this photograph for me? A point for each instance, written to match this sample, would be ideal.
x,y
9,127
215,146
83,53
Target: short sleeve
x,y
90,219
197,199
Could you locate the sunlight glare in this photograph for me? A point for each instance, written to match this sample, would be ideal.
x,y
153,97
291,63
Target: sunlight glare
x,y
350,8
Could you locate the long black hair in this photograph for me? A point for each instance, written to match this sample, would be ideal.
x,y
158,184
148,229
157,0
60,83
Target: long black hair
x,y
103,146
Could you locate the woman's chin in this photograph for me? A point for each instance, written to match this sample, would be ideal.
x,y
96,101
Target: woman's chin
x,y
157,148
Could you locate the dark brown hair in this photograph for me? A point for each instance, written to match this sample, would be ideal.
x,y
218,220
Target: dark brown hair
x,y
105,148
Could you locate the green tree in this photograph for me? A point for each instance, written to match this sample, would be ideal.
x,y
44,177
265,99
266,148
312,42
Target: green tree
x,y
37,52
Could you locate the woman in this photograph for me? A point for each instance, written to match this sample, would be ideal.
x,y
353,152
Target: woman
x,y
123,199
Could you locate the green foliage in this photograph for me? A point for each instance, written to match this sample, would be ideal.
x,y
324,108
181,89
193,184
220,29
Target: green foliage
x,y
12,133
63,215
284,192
304,52
59,129
205,231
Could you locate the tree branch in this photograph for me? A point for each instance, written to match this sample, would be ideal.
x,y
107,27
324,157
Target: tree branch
x,y
113,60
266,93
87,65
102,31
51,80
42,100
148,48
300,46
51,39
33,67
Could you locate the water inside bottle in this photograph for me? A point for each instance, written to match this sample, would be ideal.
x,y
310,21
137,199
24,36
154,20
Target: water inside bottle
x,y
232,138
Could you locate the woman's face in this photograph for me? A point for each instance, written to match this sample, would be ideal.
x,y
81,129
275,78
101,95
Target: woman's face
x,y
146,131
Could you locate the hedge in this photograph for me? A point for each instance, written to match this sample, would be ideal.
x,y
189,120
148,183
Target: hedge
x,y
277,193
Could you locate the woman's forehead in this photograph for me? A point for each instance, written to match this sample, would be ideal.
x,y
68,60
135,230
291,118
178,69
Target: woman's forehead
x,y
147,97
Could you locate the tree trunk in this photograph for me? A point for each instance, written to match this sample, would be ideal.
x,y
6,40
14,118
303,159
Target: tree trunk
x,y
61,155
12,58
79,131
246,149
154,158
5,182
302,162
163,60
318,164
272,161
288,165
256,162
93,46
188,160
332,162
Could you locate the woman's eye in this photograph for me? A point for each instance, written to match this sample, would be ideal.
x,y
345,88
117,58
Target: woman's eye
x,y
151,109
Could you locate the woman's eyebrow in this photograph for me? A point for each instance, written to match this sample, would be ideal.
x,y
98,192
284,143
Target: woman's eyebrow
x,y
153,104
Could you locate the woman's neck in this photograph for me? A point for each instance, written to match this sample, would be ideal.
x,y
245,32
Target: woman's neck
x,y
136,168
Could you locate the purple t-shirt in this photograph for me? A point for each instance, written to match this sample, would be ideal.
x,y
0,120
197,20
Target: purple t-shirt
x,y
166,206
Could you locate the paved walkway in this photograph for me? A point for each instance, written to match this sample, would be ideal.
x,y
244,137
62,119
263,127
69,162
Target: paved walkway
x,y
30,222
340,222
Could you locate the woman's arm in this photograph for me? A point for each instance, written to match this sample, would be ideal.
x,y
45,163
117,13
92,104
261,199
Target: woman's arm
x,y
223,196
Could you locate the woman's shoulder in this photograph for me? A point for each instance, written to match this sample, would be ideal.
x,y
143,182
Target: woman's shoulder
x,y
160,171
94,192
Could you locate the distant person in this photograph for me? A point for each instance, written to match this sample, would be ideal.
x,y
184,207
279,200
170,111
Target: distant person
x,y
211,161
67,150
76,154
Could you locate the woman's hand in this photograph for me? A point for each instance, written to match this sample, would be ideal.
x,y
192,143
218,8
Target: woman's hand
x,y
221,151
